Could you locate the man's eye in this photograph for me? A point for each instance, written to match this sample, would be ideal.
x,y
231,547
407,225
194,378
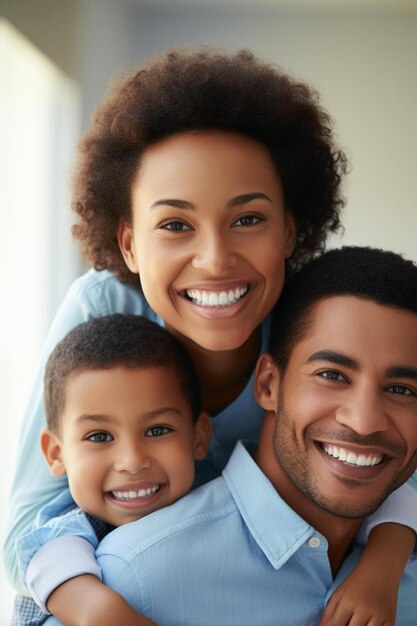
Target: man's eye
x,y
401,390
248,220
331,375
100,437
175,227
158,431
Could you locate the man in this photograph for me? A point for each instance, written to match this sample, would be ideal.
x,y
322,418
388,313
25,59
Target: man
x,y
269,541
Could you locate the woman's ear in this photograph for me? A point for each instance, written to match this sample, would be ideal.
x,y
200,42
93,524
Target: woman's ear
x,y
267,381
202,434
127,245
51,447
290,234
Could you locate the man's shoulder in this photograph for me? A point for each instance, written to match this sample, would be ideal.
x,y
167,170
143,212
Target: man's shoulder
x,y
205,506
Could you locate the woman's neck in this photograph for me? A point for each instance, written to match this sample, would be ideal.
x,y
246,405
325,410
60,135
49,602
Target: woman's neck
x,y
223,375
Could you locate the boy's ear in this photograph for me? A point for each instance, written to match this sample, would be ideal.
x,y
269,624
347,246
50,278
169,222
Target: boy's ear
x,y
51,447
126,245
267,381
290,233
202,434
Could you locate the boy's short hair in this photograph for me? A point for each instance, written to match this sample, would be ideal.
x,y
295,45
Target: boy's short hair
x,y
378,275
207,89
129,341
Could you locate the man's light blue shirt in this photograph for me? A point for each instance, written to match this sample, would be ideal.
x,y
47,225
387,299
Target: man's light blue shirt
x,y
231,553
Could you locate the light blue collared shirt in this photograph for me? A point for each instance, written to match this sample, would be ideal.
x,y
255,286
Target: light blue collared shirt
x,y
231,553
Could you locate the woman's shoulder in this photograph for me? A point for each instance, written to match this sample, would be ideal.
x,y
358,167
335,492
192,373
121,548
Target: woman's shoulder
x,y
101,293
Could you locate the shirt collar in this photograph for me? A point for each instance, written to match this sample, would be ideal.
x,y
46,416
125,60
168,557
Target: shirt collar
x,y
276,528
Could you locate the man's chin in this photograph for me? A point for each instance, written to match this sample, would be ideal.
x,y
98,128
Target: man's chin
x,y
348,508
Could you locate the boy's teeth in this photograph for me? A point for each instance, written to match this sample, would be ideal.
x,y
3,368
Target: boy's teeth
x,y
347,456
135,495
216,298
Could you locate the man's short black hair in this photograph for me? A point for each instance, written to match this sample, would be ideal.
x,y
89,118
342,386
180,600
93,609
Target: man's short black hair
x,y
378,275
129,341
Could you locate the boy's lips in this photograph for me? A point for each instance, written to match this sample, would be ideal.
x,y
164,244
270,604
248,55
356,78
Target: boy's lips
x,y
135,494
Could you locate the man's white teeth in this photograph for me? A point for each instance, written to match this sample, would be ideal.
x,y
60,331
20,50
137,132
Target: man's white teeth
x,y
216,298
135,495
347,456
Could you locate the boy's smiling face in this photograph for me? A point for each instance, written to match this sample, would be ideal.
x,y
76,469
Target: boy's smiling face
x,y
346,425
127,441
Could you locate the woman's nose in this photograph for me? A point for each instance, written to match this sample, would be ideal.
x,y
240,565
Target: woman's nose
x,y
214,254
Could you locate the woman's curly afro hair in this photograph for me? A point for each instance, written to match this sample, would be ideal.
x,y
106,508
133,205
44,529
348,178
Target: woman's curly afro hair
x,y
206,89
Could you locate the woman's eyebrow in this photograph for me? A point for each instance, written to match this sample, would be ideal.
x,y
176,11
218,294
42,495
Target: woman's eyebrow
x,y
189,206
248,197
177,204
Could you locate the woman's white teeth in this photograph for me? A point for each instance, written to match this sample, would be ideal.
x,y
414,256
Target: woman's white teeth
x,y
216,298
347,456
135,495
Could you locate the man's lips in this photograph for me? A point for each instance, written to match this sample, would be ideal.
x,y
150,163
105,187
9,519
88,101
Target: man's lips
x,y
351,457
359,463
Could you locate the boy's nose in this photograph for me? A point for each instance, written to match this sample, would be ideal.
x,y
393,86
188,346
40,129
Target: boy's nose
x,y
214,254
132,460
364,413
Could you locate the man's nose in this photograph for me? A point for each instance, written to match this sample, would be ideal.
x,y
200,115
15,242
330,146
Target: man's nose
x,y
363,412
214,253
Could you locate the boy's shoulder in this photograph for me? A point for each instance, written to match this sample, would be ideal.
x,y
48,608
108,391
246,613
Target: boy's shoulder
x,y
204,506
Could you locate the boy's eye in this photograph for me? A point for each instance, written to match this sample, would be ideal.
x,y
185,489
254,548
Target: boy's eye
x,y
158,431
175,226
401,390
100,437
248,220
331,375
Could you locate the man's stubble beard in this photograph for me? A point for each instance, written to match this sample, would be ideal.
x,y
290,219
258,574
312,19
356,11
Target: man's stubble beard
x,y
296,467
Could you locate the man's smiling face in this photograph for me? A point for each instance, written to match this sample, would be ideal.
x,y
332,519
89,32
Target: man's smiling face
x,y
346,426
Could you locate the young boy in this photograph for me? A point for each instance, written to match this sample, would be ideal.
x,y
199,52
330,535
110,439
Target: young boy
x,y
124,423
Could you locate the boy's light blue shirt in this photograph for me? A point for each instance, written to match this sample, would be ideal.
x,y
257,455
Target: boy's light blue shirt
x,y
230,553
96,294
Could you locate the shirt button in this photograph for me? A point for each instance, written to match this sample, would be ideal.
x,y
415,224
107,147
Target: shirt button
x,y
314,542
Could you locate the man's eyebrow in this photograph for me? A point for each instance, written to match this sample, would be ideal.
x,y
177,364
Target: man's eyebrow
x,y
234,202
402,371
333,357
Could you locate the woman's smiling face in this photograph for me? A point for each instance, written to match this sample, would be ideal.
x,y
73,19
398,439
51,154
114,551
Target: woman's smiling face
x,y
209,235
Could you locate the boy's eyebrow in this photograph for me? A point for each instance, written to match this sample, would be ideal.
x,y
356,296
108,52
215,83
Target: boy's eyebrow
x,y
334,357
189,206
148,416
